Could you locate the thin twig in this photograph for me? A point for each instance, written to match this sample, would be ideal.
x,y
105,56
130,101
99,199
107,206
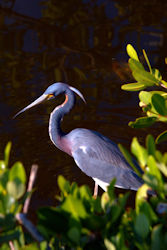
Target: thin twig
x,y
11,245
21,218
32,178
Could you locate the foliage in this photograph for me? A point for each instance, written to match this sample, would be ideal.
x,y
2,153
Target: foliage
x,y
153,102
81,221
12,195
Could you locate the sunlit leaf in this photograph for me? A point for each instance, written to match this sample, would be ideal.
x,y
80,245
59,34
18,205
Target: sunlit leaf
x,y
163,168
145,97
74,206
146,58
63,184
85,192
2,165
18,172
143,122
105,200
128,157
157,74
142,225
153,169
109,245
141,195
135,65
133,86
7,153
161,137
159,104
139,151
145,77
16,189
132,52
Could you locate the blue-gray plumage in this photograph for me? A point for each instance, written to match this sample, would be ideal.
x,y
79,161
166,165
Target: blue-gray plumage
x,y
96,155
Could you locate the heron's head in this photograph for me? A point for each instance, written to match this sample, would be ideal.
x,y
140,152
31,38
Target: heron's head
x,y
52,92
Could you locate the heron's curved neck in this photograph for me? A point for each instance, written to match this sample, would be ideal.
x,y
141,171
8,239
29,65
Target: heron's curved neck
x,y
55,132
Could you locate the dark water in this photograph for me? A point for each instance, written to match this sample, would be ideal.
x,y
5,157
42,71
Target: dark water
x,y
82,43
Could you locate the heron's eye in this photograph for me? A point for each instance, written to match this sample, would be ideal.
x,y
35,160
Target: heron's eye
x,y
50,96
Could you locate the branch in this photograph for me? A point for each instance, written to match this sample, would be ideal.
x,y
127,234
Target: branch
x,y
32,178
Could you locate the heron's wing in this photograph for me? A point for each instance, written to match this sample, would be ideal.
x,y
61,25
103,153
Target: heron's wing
x,y
99,157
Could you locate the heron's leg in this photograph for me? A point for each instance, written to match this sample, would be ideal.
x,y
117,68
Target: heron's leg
x,y
95,190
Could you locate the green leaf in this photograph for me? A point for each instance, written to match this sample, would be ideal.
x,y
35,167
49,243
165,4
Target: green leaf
x,y
150,145
105,198
4,177
10,236
156,237
161,137
132,52
157,74
163,168
159,104
15,188
52,220
63,184
146,58
6,202
142,225
128,158
74,206
139,151
7,153
133,86
145,78
85,192
146,208
145,97
74,234
153,169
141,195
135,65
109,245
151,180
142,122
18,172
2,165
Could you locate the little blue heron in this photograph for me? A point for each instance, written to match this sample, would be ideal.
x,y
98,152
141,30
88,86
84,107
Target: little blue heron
x,y
96,155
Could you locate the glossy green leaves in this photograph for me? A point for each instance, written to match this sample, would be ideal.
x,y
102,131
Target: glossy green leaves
x,y
12,185
143,78
132,52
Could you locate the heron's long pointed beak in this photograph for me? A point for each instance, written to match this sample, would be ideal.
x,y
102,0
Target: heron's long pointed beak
x,y
36,102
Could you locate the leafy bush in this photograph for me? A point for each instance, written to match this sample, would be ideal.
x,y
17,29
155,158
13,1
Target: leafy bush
x,y
82,222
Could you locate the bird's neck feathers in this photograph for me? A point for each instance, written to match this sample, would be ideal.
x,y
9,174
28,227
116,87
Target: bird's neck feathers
x,y
55,132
